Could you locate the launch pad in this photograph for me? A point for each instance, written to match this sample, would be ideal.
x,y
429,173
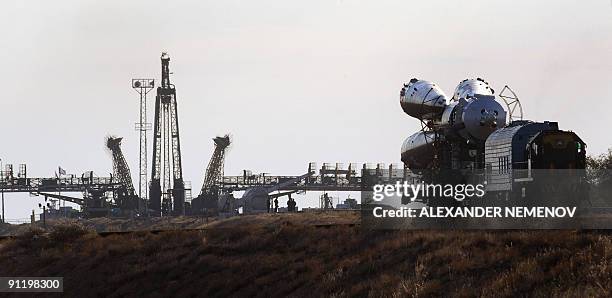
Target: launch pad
x,y
166,193
472,130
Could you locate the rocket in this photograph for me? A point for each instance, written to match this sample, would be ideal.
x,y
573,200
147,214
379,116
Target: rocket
x,y
467,118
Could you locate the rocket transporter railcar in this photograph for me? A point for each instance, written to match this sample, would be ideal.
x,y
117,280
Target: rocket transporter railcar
x,y
470,138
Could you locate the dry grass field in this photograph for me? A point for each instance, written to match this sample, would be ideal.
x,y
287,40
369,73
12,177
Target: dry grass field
x,y
323,254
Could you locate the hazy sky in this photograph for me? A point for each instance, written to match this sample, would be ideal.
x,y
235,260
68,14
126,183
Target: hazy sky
x,y
292,81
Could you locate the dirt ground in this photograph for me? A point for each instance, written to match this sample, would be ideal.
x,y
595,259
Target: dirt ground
x,y
309,254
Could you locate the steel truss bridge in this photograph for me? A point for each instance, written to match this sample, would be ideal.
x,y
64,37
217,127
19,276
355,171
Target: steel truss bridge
x,y
39,185
330,177
100,194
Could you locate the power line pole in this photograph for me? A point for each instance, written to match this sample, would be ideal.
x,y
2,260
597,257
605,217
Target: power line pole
x,y
143,87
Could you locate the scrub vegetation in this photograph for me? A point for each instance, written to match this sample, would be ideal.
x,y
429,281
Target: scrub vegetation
x,y
287,255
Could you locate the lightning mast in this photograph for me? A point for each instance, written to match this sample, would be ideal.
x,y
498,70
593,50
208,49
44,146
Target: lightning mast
x,y
143,87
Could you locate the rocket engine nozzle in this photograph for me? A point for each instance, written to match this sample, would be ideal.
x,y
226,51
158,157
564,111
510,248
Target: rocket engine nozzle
x,y
472,114
488,119
423,100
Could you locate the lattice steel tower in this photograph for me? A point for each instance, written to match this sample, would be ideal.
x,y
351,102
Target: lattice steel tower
x,y
214,171
120,166
167,189
143,87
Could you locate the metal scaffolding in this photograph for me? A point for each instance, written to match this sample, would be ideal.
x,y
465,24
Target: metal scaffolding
x,y
167,166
